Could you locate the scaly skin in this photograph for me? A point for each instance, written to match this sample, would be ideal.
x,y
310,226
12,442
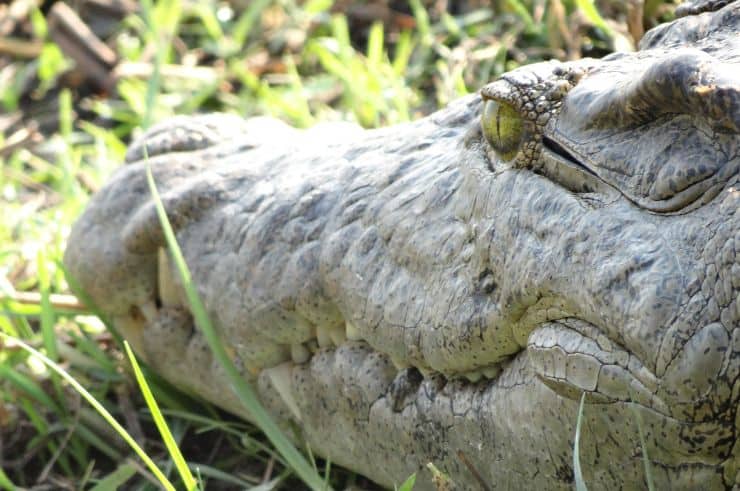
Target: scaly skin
x,y
407,296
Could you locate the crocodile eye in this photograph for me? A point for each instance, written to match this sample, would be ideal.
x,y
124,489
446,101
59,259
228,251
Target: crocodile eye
x,y
502,127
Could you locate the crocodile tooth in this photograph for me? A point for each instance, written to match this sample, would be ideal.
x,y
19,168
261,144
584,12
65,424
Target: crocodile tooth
x,y
132,329
473,376
322,337
149,311
337,335
492,372
353,334
165,280
299,353
281,377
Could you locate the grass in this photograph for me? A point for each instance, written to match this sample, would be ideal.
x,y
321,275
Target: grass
x,y
60,137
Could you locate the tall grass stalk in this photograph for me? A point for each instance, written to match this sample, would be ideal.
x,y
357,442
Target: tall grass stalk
x,y
241,387
169,441
577,473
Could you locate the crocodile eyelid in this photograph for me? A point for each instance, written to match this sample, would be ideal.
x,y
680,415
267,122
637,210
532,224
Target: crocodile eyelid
x,y
536,93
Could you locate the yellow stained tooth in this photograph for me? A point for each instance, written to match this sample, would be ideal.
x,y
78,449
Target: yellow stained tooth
x,y
132,329
337,335
299,353
473,376
322,337
492,372
165,280
149,311
281,377
353,334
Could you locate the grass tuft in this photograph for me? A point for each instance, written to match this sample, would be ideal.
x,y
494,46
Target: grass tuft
x,y
96,405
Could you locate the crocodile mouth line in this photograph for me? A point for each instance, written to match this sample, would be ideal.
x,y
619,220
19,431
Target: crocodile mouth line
x,y
569,355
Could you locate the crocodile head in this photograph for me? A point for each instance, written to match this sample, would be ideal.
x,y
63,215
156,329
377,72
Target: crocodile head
x,y
446,290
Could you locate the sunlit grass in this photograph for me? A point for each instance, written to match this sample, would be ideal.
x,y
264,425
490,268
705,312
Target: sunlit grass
x,y
96,405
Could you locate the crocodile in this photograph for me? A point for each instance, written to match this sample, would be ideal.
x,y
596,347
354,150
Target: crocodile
x,y
447,290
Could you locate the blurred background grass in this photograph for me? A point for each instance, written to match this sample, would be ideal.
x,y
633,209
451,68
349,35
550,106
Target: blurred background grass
x,y
77,83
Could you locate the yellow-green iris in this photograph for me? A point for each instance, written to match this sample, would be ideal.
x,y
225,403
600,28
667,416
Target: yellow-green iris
x,y
502,127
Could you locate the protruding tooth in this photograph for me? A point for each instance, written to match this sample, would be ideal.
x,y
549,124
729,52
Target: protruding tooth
x,y
399,364
353,334
149,311
492,372
281,377
165,280
322,336
337,335
132,329
299,353
473,376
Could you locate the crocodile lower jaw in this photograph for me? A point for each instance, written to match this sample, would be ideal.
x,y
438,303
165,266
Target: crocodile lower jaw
x,y
569,355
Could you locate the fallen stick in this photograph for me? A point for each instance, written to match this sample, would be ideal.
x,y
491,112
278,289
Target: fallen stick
x,y
58,300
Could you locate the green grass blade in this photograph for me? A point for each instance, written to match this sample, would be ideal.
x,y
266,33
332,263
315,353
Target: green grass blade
x,y
247,20
115,479
375,44
589,11
645,456
240,386
169,441
210,472
404,48
314,7
422,22
66,114
27,385
98,407
408,484
47,312
5,482
97,442
577,473
521,11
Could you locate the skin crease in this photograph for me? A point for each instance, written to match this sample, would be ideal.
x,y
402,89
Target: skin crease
x,y
406,295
